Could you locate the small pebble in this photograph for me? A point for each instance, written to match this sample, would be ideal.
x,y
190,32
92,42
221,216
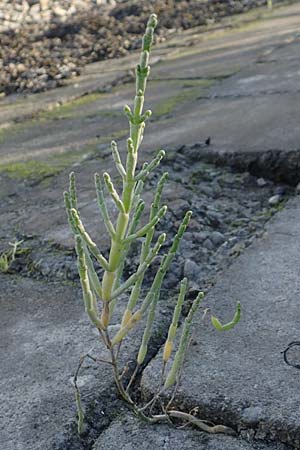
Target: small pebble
x,y
275,200
252,415
261,182
208,244
217,238
191,270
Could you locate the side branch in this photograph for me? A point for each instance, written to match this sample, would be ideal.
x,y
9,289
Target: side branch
x,y
115,196
140,233
151,166
87,239
88,296
102,206
194,421
117,159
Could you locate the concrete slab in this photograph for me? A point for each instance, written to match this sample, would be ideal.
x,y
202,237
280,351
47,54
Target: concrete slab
x,y
130,434
224,47
239,377
281,54
44,331
224,51
20,107
278,73
81,125
96,77
236,125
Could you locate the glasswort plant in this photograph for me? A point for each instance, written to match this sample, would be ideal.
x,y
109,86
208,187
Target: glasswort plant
x,y
101,296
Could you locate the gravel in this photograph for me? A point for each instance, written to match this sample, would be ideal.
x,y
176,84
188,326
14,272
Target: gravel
x,y
224,223
39,56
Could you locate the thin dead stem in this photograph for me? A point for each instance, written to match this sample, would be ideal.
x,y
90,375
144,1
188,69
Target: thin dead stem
x,y
132,377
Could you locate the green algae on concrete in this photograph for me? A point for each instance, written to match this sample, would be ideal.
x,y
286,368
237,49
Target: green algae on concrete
x,y
28,170
113,136
47,166
35,170
189,89
67,110
11,129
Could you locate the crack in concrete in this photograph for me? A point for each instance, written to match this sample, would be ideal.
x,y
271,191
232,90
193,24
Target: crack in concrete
x,y
252,95
274,164
208,77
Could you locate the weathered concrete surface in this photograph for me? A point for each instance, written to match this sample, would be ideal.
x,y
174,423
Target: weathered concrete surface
x,y
239,377
38,210
240,125
81,125
248,102
16,107
44,331
130,434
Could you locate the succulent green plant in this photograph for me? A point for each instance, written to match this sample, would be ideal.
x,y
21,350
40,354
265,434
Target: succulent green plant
x,y
101,296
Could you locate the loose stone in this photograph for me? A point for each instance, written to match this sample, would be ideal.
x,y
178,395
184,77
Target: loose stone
x,y
217,238
208,244
261,182
191,270
275,200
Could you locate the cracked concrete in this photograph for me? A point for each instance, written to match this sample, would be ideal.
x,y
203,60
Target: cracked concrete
x,y
240,378
135,435
44,332
250,108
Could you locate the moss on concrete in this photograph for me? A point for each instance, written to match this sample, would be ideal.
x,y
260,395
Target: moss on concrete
x,y
28,170
68,109
13,129
189,90
115,135
36,170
